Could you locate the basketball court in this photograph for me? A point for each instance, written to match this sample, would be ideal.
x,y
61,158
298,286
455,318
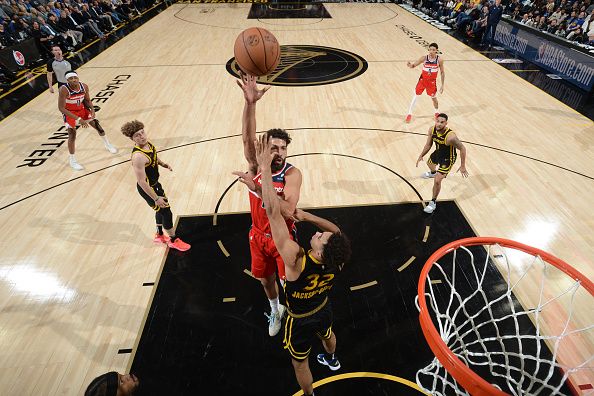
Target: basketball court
x,y
84,290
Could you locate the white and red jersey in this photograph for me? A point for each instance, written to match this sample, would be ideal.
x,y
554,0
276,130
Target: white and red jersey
x,y
430,68
75,99
259,217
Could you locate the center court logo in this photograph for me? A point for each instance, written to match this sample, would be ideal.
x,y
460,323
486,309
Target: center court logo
x,y
306,65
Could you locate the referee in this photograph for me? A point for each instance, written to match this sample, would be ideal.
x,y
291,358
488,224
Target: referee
x,y
58,66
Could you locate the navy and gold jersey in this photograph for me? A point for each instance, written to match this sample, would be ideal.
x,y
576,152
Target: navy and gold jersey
x,y
309,293
444,155
152,167
440,141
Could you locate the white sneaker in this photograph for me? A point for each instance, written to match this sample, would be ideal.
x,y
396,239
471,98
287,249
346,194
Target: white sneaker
x,y
274,322
110,148
75,165
430,207
281,310
428,175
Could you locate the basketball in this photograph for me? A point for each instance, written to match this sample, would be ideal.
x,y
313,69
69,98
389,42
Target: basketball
x,y
257,51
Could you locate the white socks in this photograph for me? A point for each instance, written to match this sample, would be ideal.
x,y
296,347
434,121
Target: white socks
x,y
412,104
273,305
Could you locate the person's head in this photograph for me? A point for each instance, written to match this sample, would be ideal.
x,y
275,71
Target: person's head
x,y
433,47
441,121
135,131
72,78
35,25
334,249
279,140
113,384
52,17
57,51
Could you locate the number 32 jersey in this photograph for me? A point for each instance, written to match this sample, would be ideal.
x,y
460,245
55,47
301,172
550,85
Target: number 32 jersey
x,y
311,289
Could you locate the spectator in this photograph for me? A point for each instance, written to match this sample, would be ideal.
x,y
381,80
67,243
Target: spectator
x,y
494,16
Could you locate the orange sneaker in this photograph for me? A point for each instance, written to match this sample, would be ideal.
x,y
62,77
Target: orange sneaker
x,y
178,245
408,118
160,238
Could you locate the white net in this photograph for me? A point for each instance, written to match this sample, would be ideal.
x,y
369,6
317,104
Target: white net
x,y
476,309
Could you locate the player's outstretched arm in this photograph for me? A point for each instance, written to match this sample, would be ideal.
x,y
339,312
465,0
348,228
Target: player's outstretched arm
x,y
287,248
251,94
320,222
416,63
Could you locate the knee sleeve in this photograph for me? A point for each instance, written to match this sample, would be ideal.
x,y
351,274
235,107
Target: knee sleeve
x,y
167,218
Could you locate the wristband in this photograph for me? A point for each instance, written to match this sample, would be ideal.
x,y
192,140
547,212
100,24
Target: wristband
x,y
78,119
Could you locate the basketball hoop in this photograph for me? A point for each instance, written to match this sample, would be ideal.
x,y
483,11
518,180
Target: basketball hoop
x,y
484,340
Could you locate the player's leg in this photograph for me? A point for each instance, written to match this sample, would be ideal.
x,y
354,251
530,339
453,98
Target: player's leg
x,y
264,269
174,242
432,92
328,338
297,340
436,189
418,91
95,124
303,375
70,124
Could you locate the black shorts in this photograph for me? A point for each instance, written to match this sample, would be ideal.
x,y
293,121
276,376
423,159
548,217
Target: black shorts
x,y
444,160
158,189
300,333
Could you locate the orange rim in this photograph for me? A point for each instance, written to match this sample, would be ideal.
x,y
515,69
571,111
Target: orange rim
x,y
471,381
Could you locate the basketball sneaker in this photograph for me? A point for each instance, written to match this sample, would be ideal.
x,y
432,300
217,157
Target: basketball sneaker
x,y
408,118
333,364
430,207
428,175
178,244
274,320
161,238
110,148
75,165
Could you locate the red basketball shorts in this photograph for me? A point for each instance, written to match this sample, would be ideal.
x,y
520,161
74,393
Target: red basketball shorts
x,y
430,86
83,113
265,258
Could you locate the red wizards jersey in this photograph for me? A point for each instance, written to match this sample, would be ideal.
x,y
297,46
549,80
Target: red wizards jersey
x,y
259,218
74,100
430,68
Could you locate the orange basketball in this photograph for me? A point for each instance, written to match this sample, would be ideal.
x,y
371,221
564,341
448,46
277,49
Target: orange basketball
x,y
257,51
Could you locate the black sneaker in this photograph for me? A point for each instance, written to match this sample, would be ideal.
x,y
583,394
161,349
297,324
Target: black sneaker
x,y
333,364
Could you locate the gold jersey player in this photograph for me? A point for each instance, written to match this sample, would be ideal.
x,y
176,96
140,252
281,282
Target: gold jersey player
x,y
309,277
75,104
443,158
146,168
265,258
432,65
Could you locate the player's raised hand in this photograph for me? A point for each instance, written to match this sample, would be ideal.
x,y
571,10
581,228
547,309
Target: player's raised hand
x,y
264,155
247,179
463,171
248,85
